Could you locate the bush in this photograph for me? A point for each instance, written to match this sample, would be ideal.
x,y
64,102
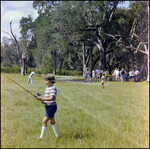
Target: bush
x,y
17,69
37,70
11,69
29,70
70,72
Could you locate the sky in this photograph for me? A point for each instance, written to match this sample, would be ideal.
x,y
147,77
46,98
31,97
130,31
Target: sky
x,y
15,10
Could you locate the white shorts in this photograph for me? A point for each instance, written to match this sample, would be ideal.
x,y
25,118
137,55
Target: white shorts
x,y
93,75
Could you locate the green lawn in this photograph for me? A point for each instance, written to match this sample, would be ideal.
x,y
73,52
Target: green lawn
x,y
87,116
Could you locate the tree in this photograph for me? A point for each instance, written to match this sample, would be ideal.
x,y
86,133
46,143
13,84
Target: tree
x,y
22,59
142,45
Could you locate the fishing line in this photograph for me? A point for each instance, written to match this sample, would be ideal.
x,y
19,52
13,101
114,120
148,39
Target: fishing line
x,y
19,85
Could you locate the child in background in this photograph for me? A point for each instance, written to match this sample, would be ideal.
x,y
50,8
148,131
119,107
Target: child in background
x,y
49,100
93,75
130,75
102,80
30,76
89,75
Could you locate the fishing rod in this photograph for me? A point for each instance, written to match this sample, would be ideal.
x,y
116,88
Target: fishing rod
x,y
20,85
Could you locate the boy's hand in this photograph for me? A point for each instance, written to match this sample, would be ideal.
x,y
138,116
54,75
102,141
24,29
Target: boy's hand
x,y
42,102
39,98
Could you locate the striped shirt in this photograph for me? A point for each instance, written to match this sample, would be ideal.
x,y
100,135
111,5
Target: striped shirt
x,y
50,91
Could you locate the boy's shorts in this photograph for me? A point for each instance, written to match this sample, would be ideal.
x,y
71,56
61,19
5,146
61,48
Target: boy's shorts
x,y
50,110
130,77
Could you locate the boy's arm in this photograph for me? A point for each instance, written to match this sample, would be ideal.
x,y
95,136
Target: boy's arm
x,y
51,98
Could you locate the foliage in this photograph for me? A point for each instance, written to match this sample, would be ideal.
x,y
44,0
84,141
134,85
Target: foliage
x,y
54,40
14,69
65,72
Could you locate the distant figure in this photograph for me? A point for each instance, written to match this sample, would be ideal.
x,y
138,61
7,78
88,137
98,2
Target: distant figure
x,y
30,76
114,73
89,75
136,75
122,75
98,74
85,74
133,75
130,75
125,76
117,74
102,80
93,75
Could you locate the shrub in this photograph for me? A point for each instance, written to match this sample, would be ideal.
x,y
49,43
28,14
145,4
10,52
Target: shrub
x,y
16,69
70,72
6,69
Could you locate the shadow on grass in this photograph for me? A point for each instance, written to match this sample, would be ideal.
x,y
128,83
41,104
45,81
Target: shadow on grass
x,y
78,135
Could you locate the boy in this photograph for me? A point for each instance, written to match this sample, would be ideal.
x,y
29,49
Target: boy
x,y
49,100
102,80
30,76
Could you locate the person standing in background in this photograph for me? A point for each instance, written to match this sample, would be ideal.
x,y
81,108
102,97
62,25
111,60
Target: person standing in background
x,y
98,74
130,75
133,75
136,75
93,75
30,76
85,74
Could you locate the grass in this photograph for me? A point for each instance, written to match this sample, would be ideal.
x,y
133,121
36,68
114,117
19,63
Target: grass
x,y
87,116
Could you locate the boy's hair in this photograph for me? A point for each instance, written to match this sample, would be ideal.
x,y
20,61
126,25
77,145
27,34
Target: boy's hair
x,y
50,77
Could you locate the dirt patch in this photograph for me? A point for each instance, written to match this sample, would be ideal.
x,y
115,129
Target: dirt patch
x,y
77,81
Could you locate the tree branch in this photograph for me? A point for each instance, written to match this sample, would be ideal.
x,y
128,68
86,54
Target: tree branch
x,y
129,47
8,34
141,41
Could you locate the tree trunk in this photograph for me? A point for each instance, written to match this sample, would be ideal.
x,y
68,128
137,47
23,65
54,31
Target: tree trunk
x,y
54,64
102,54
142,68
84,62
23,59
61,62
94,62
131,53
148,43
148,66
24,64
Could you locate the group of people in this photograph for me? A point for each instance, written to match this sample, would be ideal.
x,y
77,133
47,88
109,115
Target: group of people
x,y
123,75
99,75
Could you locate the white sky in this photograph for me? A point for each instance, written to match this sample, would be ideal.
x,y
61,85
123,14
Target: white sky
x,y
15,10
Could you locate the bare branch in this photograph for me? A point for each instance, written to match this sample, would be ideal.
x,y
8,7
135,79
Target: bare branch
x,y
112,36
8,34
141,41
18,50
129,47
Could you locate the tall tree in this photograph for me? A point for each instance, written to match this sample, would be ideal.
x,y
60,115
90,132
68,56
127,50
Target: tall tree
x,y
141,32
22,58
